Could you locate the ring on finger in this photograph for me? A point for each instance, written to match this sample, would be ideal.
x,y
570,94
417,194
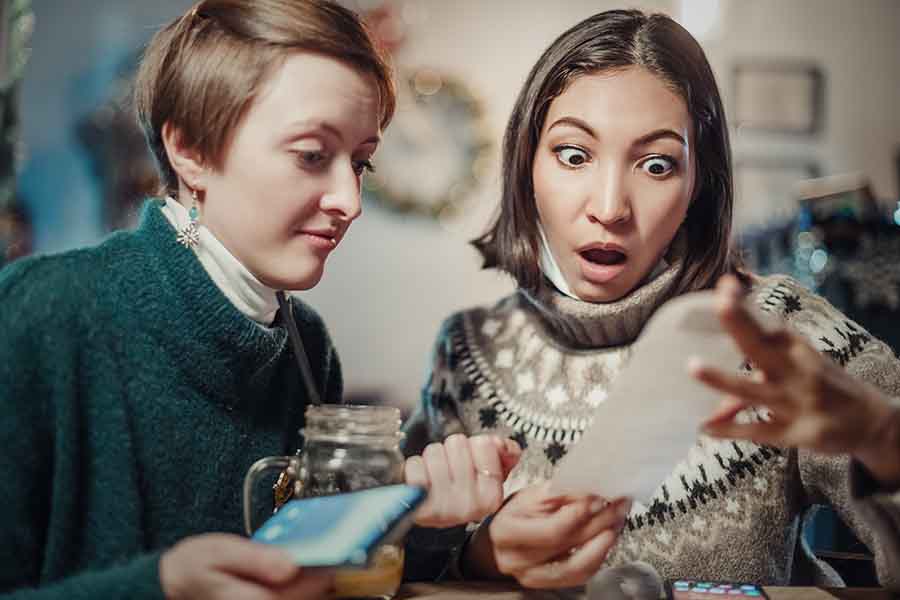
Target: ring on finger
x,y
488,473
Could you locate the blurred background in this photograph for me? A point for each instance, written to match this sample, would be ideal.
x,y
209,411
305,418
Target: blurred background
x,y
811,88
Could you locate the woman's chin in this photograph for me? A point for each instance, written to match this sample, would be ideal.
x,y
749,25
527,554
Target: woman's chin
x,y
293,281
602,293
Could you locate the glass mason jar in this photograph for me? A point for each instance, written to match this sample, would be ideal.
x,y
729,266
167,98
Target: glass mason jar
x,y
346,448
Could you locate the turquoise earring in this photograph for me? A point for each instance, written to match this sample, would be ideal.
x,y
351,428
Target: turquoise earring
x,y
189,235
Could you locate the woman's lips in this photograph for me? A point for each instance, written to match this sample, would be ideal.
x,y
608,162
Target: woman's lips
x,y
602,264
320,240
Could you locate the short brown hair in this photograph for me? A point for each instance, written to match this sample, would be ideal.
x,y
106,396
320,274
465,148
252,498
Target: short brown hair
x,y
612,40
201,72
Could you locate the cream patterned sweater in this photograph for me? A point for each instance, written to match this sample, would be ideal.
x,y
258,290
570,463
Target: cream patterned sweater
x,y
535,367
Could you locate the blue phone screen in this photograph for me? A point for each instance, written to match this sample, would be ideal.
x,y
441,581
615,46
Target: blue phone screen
x,y
705,590
339,530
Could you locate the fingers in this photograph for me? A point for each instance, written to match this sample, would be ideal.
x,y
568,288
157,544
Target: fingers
x,y
725,412
510,454
249,560
749,390
313,583
461,503
415,473
610,518
436,464
574,569
760,347
464,477
431,472
759,433
537,539
489,473
460,464
560,522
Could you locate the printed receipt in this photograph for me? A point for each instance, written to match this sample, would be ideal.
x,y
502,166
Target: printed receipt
x,y
654,410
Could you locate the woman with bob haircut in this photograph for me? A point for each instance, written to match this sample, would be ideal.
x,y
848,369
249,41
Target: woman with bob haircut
x,y
142,377
617,195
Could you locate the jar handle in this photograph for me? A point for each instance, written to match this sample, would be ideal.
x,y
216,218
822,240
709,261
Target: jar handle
x,y
263,465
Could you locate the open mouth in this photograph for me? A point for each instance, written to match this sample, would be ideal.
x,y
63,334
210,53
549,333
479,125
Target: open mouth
x,y
605,257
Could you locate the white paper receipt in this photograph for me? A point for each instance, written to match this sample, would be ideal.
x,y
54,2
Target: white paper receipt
x,y
652,415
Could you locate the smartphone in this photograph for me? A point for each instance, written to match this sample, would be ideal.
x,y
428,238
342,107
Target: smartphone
x,y
342,530
704,590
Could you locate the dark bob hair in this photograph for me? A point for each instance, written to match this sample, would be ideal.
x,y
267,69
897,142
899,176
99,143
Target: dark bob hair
x,y
611,40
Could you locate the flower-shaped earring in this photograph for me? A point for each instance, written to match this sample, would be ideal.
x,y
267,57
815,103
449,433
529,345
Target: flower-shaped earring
x,y
189,235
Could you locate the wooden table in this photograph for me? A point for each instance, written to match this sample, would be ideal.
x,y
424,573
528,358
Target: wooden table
x,y
500,591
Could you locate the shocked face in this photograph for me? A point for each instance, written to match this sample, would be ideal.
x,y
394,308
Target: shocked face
x,y
613,176
289,186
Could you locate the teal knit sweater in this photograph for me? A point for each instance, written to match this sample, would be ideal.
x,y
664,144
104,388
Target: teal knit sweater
x,y
134,396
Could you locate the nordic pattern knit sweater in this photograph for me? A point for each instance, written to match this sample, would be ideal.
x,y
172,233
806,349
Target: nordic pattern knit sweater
x,y
134,396
534,367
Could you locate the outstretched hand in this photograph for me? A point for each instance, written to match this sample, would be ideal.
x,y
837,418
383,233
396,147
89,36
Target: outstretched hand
x,y
812,403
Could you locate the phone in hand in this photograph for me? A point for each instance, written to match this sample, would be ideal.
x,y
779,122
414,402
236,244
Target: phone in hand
x,y
707,590
342,530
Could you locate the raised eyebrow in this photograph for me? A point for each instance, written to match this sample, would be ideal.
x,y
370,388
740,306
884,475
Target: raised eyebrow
x,y
574,122
660,134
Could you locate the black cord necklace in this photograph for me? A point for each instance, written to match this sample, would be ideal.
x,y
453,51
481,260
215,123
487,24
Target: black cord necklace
x,y
285,305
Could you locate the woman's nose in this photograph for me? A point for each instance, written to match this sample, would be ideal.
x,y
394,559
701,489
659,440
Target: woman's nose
x,y
343,199
611,202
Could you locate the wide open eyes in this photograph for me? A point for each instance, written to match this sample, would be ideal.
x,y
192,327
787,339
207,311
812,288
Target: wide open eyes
x,y
572,157
658,165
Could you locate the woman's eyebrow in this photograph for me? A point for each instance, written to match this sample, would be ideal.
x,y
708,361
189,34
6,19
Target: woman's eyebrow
x,y
659,134
645,139
299,129
574,122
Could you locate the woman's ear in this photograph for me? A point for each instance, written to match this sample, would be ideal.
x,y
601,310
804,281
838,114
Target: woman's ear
x,y
186,162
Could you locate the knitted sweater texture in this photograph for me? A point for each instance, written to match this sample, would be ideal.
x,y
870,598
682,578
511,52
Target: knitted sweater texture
x,y
134,398
534,368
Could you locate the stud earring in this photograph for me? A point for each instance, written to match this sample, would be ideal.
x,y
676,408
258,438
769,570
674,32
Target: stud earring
x,y
189,235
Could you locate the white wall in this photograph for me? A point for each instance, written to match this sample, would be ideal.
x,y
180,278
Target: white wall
x,y
857,45
394,279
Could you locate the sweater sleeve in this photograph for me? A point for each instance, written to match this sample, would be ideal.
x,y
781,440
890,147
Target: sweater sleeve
x,y
37,371
437,416
433,554
26,461
872,511
137,579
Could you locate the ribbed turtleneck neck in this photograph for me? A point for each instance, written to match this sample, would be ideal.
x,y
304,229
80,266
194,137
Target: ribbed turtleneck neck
x,y
253,298
581,325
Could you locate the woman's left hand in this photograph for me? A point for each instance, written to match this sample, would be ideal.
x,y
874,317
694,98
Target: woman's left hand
x,y
812,402
464,477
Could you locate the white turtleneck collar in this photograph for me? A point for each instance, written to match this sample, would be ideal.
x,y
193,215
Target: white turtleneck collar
x,y
245,291
550,268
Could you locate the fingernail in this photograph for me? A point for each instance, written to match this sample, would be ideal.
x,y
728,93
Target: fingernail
x,y
597,505
694,364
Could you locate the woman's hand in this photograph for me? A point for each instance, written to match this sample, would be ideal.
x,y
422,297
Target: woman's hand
x,y
464,477
220,566
813,403
546,541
